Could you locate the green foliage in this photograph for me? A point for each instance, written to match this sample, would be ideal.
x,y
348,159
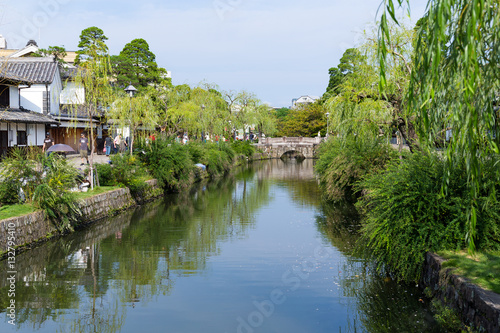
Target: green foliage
x,y
218,160
407,213
217,157
305,120
106,176
60,207
45,182
448,318
170,163
92,45
342,163
243,148
128,170
454,87
9,192
57,52
348,62
136,65
21,167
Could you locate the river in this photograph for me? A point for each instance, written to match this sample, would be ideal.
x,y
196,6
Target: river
x,y
255,252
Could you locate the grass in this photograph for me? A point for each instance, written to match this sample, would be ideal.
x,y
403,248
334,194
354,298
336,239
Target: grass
x,y
9,211
482,269
95,191
15,210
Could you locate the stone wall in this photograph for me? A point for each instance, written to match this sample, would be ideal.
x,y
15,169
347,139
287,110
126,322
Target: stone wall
x,y
30,229
478,308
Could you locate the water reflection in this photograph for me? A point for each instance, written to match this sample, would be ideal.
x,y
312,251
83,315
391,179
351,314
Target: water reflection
x,y
382,304
212,251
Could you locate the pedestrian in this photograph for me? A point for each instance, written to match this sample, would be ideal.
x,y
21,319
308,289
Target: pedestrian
x,y
116,142
47,143
121,144
108,142
84,146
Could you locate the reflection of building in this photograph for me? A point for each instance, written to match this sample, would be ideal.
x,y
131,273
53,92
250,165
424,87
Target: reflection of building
x,y
304,100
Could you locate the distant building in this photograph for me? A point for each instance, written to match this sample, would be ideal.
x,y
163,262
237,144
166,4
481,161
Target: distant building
x,y
306,99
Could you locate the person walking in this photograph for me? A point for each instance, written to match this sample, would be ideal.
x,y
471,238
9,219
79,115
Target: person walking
x,y
47,143
84,146
108,142
120,143
116,142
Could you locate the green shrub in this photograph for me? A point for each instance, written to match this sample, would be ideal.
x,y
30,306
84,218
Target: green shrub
x,y
243,148
60,207
106,176
9,192
407,214
197,152
342,163
217,160
170,163
128,170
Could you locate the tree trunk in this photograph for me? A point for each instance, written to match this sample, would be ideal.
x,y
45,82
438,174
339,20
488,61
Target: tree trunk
x,y
91,160
408,133
132,140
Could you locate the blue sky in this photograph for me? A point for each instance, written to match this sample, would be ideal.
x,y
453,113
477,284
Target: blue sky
x,y
277,49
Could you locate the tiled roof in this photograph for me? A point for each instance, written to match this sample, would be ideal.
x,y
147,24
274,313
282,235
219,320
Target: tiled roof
x,y
24,116
68,72
28,70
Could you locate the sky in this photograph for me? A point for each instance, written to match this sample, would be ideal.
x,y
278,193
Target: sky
x,y
276,49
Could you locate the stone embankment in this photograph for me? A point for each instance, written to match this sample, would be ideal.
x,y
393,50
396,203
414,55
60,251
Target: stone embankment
x,y
477,308
28,230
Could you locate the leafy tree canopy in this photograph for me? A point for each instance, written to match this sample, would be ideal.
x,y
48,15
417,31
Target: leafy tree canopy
x,y
346,66
307,120
57,52
92,42
136,65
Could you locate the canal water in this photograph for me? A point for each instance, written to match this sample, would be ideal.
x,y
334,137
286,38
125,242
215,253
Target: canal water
x,y
254,252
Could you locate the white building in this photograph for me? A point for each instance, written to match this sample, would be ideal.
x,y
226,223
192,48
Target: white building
x,y
303,100
29,93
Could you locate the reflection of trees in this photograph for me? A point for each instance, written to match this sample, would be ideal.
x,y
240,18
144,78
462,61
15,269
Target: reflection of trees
x,y
49,277
382,304
134,257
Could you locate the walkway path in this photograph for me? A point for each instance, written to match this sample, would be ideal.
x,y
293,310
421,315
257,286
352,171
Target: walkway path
x,y
75,160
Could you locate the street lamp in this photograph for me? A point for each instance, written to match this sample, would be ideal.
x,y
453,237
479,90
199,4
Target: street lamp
x,y
130,90
327,124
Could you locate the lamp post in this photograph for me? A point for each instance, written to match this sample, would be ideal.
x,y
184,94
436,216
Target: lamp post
x,y
327,124
130,90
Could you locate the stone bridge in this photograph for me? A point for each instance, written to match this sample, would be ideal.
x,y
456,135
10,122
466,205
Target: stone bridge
x,y
277,147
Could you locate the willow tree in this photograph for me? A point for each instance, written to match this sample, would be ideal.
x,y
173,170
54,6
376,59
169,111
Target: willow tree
x,y
93,78
454,84
134,113
359,108
212,111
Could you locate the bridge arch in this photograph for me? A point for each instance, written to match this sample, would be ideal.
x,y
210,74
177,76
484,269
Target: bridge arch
x,y
277,147
293,154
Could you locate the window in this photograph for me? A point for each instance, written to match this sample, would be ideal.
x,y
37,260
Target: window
x,y
4,96
22,138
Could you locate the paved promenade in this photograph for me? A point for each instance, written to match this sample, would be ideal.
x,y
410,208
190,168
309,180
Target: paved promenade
x,y
75,160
